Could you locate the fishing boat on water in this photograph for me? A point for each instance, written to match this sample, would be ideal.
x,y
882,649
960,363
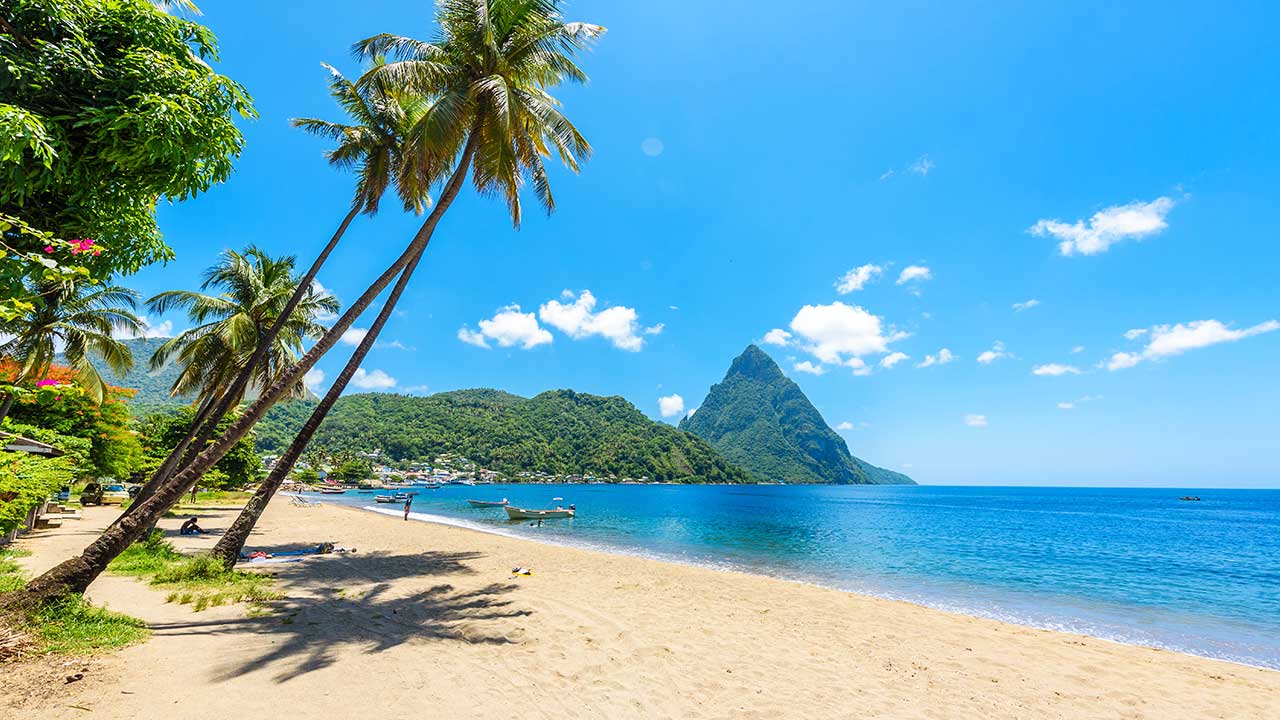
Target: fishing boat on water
x,y
402,496
547,513
1190,498
384,498
431,486
488,503
332,491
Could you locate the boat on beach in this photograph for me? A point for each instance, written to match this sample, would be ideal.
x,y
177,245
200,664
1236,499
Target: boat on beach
x,y
516,513
488,503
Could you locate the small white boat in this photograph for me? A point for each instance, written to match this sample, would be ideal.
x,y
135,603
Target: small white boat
x,y
488,503
516,513
384,498
332,491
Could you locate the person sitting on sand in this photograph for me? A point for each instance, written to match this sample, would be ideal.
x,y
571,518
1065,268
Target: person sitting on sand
x,y
190,527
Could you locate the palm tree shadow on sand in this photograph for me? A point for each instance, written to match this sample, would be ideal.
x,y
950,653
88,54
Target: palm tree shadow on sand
x,y
353,604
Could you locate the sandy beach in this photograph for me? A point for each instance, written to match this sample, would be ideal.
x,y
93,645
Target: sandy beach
x,y
427,620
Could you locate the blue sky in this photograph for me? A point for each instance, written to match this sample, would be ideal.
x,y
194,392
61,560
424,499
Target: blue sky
x,y
748,157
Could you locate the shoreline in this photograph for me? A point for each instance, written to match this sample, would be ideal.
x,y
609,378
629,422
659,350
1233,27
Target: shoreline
x,y
729,567
428,618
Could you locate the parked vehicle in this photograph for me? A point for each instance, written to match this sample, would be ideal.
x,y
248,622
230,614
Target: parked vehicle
x,y
96,493
63,495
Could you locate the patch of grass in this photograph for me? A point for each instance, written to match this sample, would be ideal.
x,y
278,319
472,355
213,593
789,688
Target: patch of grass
x,y
67,626
196,580
71,625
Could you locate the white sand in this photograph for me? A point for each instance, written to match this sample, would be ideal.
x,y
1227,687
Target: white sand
x,y
427,621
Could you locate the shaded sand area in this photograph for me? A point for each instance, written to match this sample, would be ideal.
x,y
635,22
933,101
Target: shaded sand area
x,y
427,621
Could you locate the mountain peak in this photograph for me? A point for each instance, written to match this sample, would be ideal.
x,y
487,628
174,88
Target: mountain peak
x,y
756,364
761,420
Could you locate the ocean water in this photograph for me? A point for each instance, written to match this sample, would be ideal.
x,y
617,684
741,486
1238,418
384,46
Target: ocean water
x,y
1132,565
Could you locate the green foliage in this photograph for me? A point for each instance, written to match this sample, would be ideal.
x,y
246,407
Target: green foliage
x,y
161,432
560,431
67,409
44,259
105,107
760,419
353,471
197,580
26,481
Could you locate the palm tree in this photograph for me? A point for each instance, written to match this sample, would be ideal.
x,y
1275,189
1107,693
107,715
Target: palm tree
x,y
370,144
229,325
484,103
83,320
484,84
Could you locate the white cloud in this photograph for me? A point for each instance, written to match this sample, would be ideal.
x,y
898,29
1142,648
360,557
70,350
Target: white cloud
x,y
671,405
391,345
149,330
691,412
1066,405
1107,227
372,380
1020,306
354,335
777,336
833,331
651,146
313,379
414,390
892,359
1055,370
914,272
943,357
1077,350
978,421
508,327
856,278
1177,339
921,166
1168,340
886,175
1122,360
471,337
655,329
846,425
808,367
996,352
1135,333
578,319
860,368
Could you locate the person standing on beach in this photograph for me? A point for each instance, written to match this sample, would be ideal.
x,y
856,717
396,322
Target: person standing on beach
x,y
407,503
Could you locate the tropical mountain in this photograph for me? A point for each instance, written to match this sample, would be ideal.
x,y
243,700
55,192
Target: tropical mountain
x,y
759,419
557,432
151,387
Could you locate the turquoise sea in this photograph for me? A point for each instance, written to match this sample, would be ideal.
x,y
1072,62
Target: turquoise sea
x,y
1133,565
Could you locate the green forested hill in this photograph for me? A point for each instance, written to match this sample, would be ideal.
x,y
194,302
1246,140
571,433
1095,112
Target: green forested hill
x,y
559,432
152,387
759,419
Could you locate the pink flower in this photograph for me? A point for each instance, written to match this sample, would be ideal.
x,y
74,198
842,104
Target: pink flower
x,y
48,248
46,382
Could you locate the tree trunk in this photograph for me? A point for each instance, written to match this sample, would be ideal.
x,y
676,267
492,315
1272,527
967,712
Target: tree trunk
x,y
206,421
76,574
6,406
232,542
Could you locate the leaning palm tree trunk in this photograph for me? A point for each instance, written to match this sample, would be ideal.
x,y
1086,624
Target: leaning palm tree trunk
x,y
206,421
232,542
77,573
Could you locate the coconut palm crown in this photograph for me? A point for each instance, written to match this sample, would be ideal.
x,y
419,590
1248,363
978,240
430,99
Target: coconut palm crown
x,y
254,288
488,72
80,320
